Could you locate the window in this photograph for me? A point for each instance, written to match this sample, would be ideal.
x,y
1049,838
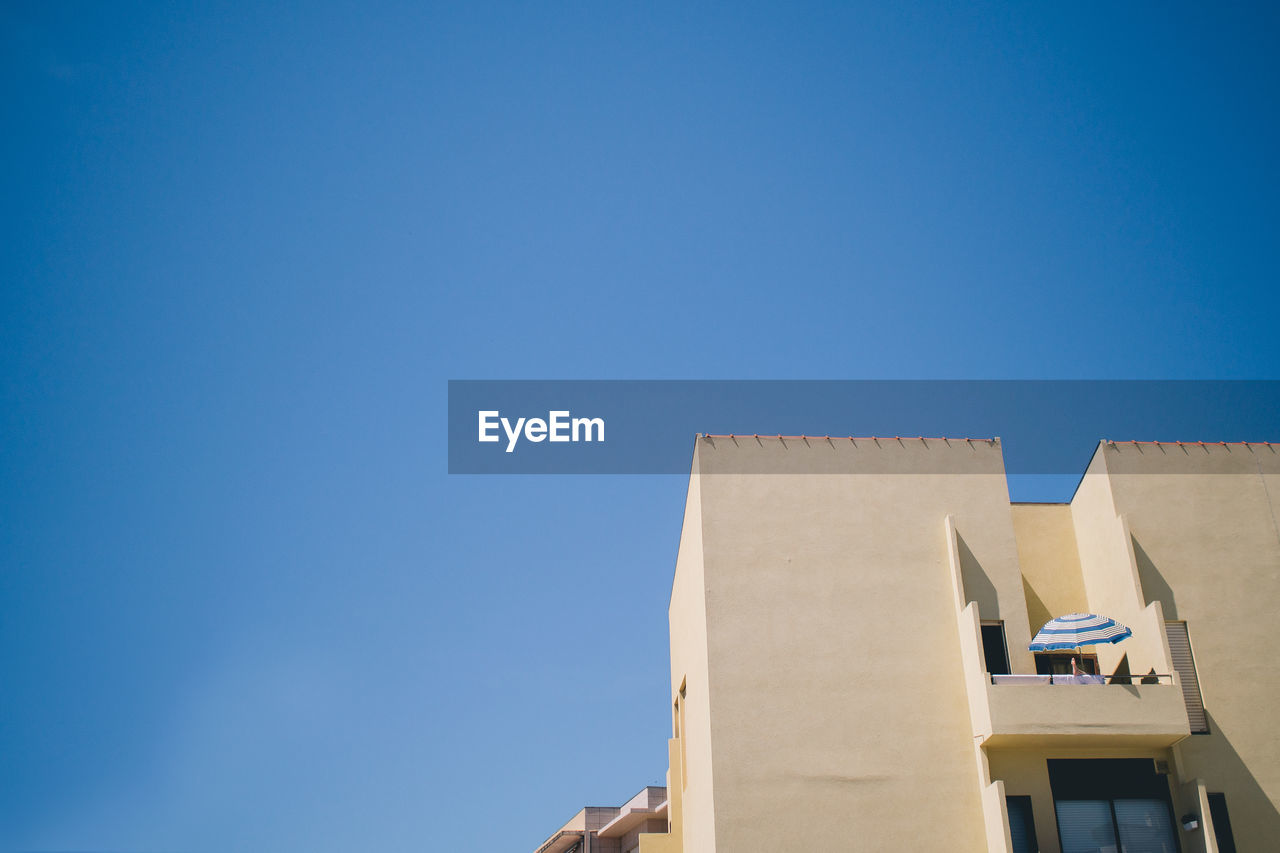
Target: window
x,y
1085,826
1088,826
1022,828
681,700
1185,665
994,649
1145,825
1112,804
1222,823
1059,663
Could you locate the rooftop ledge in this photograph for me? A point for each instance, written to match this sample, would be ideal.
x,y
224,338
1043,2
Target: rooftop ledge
x,y
629,819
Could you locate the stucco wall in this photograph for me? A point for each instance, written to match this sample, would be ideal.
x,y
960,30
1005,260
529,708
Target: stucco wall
x,y
1110,576
1206,539
1050,563
688,623
838,702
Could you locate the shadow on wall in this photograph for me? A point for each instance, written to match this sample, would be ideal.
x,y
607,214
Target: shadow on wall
x,y
1255,822
1037,612
1124,675
1154,586
977,586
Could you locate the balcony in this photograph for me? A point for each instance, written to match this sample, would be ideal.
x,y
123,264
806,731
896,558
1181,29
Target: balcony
x,y
1042,711
1031,711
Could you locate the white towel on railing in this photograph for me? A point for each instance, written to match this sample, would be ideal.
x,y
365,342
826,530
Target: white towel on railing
x,y
1020,679
1079,679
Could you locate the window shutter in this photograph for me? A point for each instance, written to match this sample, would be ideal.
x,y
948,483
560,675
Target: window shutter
x,y
1085,826
1022,828
1145,825
1185,666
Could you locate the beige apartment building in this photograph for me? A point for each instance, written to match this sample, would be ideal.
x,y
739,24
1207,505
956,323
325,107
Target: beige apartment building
x,y
850,621
611,829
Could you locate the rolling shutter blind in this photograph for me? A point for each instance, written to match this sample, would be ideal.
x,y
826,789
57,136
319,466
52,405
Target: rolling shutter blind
x,y
1085,826
1185,666
1145,826
1021,826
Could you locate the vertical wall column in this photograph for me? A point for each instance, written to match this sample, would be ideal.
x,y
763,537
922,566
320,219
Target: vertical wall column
x,y
1193,798
995,810
671,841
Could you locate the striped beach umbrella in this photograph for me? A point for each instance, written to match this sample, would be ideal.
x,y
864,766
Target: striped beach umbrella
x,y
1078,629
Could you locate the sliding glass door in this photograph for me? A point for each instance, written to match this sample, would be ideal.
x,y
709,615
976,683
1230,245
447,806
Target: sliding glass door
x,y
1116,826
1112,806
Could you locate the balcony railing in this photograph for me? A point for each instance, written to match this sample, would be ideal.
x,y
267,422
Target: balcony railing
x,y
1080,680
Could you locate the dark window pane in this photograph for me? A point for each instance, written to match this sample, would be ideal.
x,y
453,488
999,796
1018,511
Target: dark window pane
x,y
1059,663
993,649
1222,823
1106,779
1022,828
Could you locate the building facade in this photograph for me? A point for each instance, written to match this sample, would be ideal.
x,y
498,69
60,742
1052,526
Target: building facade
x,y
850,621
611,829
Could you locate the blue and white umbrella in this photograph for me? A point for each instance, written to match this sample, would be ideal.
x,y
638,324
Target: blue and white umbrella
x,y
1078,629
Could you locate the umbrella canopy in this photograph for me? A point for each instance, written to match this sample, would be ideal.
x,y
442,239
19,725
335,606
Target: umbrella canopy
x,y
1078,629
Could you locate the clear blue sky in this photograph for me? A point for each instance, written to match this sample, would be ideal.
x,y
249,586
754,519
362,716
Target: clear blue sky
x,y
243,605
